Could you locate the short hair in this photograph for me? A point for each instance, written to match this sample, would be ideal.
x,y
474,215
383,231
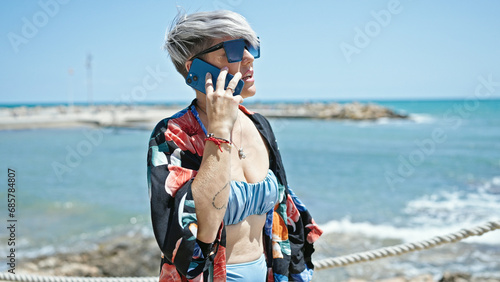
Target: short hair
x,y
191,34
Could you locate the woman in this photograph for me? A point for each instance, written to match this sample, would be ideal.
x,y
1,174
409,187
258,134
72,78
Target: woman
x,y
220,203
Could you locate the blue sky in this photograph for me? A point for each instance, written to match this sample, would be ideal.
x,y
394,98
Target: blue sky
x,y
387,49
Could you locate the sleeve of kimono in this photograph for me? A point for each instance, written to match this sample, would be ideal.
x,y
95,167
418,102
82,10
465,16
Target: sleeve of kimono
x,y
172,167
302,233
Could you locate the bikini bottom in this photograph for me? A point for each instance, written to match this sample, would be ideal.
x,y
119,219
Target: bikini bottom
x,y
248,271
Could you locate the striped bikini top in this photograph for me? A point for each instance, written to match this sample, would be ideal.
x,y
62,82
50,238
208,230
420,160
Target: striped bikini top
x,y
247,199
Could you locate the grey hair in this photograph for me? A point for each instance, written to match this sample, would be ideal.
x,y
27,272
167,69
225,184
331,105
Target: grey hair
x,y
191,34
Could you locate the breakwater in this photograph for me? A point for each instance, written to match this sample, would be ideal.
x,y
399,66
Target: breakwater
x,y
145,116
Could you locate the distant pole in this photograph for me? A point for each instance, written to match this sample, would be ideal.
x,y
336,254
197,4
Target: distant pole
x,y
89,79
70,90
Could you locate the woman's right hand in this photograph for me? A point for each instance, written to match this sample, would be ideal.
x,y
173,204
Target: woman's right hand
x,y
221,105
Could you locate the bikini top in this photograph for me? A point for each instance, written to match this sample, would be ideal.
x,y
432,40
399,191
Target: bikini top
x,y
247,199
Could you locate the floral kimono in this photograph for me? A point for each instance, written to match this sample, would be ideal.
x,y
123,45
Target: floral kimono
x,y
174,157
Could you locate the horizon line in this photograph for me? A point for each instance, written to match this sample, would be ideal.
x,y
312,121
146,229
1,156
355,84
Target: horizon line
x,y
270,101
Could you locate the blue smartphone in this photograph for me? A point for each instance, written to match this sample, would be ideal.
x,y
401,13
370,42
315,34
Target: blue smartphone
x,y
198,72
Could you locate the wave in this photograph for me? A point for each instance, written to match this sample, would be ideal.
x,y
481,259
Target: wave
x,y
413,119
492,186
406,234
436,214
422,118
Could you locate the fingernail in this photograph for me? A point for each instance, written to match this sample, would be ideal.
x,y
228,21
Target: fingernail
x,y
225,68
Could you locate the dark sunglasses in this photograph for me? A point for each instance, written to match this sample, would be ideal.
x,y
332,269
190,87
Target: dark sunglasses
x,y
234,50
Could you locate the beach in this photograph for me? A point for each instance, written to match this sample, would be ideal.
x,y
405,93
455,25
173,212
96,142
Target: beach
x,y
82,186
77,116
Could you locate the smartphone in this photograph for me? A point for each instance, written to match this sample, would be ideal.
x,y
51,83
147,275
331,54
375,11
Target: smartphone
x,y
198,72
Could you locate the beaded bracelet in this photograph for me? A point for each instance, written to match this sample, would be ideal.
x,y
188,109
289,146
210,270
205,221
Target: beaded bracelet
x,y
218,141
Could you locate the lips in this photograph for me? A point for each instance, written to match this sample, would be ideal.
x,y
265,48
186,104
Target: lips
x,y
248,76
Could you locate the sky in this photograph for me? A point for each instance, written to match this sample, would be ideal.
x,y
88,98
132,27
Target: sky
x,y
310,50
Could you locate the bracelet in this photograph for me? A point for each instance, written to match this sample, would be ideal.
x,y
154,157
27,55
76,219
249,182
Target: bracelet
x,y
217,140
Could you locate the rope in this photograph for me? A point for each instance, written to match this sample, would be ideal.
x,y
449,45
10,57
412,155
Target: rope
x,y
34,278
321,264
406,248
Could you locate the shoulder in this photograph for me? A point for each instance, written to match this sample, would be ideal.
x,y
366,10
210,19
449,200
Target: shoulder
x,y
263,126
183,119
257,118
182,130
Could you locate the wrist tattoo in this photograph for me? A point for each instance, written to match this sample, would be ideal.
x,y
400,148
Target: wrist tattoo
x,y
224,206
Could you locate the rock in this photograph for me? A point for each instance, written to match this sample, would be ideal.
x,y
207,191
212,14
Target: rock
x,y
47,263
485,279
30,267
422,278
455,277
78,269
353,111
395,279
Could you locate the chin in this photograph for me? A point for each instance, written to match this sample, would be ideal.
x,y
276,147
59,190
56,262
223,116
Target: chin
x,y
248,92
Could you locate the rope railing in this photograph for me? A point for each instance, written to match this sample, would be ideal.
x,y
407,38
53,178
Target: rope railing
x,y
406,248
320,264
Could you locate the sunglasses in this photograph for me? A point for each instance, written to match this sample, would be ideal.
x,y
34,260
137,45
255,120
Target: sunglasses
x,y
234,50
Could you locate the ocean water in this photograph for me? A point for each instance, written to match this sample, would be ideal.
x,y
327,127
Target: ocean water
x,y
369,184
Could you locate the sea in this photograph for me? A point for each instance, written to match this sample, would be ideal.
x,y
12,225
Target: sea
x,y
368,184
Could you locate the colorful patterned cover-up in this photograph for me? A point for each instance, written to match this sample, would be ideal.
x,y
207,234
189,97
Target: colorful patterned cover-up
x,y
174,157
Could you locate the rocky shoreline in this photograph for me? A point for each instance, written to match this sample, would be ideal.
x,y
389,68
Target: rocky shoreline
x,y
144,116
333,110
133,255
129,255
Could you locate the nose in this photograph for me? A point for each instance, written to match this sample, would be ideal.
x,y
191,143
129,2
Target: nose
x,y
247,57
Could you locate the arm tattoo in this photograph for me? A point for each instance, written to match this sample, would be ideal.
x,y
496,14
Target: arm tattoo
x,y
224,206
